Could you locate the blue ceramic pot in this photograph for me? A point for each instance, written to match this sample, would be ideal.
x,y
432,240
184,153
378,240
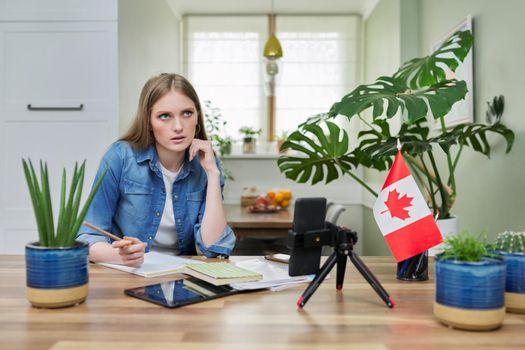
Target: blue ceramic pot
x,y
470,295
515,282
56,276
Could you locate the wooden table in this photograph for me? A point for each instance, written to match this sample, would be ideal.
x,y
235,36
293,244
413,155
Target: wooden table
x,y
354,318
259,225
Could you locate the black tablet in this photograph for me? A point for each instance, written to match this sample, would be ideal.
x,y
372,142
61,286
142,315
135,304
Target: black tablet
x,y
180,292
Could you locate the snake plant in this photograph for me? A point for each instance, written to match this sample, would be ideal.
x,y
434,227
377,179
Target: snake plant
x,y
70,216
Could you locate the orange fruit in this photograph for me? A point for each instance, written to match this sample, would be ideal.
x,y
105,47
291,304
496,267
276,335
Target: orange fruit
x,y
285,203
279,197
270,194
287,194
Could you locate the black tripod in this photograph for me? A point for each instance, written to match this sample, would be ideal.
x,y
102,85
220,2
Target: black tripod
x,y
343,248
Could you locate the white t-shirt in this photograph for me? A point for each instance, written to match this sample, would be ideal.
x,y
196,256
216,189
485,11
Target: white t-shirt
x,y
166,236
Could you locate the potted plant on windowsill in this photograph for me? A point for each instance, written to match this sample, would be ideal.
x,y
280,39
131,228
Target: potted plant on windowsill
x,y
420,91
249,140
511,245
470,284
280,141
57,265
215,129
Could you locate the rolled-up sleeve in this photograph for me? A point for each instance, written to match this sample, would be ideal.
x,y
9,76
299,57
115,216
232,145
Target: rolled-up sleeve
x,y
223,246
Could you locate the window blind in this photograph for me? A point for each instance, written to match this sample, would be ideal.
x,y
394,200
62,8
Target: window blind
x,y
223,59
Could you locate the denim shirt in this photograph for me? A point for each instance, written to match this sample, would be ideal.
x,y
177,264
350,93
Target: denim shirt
x,y
131,198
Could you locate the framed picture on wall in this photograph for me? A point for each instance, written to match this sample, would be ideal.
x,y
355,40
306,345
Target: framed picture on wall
x,y
462,111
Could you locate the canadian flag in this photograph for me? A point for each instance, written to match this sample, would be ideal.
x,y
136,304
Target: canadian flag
x,y
403,215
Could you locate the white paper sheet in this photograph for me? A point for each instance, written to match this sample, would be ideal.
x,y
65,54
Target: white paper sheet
x,y
155,264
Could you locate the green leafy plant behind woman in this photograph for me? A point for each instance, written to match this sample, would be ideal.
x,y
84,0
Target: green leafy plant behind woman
x,y
419,89
70,216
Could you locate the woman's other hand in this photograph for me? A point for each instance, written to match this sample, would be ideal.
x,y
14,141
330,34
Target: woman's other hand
x,y
207,157
131,251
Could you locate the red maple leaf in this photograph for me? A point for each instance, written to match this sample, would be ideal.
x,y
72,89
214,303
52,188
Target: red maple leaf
x,y
397,205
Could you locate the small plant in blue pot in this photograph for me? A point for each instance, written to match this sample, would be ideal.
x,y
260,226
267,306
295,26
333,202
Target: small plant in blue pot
x,y
511,245
470,284
57,265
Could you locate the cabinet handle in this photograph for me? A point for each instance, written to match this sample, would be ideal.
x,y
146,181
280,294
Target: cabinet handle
x,y
79,108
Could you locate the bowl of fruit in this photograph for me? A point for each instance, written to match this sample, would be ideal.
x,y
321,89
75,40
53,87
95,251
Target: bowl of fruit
x,y
271,202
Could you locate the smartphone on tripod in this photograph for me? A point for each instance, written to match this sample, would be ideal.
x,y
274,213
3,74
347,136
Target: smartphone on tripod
x,y
309,214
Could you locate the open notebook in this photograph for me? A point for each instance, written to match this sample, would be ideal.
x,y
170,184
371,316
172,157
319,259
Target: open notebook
x,y
156,264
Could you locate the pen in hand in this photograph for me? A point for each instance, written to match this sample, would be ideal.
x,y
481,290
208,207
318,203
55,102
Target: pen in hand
x,y
104,232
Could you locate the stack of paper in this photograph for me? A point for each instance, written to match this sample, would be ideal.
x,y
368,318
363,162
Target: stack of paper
x,y
220,273
155,264
275,275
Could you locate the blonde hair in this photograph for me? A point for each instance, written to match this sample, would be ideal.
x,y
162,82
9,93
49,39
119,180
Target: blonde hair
x,y
139,135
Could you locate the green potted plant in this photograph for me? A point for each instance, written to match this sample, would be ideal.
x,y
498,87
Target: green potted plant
x,y
470,284
57,265
249,140
215,129
420,91
511,245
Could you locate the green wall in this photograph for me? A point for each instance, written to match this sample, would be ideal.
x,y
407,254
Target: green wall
x,y
382,54
490,194
148,45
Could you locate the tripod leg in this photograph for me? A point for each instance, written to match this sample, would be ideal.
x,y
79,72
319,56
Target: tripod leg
x,y
341,268
318,279
370,278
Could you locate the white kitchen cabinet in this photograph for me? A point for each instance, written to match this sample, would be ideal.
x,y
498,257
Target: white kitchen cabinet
x,y
58,10
58,102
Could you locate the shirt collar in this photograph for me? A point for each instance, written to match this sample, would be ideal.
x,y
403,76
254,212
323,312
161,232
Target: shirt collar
x,y
150,154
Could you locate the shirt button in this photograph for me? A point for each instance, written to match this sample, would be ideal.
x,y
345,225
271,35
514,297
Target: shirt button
x,y
157,213
178,220
176,197
150,238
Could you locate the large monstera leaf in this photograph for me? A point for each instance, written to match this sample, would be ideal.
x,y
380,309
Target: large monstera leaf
x,y
317,156
427,71
417,85
475,136
378,147
398,97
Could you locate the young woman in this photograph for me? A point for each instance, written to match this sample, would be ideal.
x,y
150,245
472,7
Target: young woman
x,y
163,186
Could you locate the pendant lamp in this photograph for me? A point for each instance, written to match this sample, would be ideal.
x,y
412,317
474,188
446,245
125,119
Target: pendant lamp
x,y
272,53
272,49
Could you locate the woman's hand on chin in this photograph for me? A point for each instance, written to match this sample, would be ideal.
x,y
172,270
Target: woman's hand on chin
x,y
207,157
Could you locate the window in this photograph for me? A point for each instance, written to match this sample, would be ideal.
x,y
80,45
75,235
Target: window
x,y
223,59
319,65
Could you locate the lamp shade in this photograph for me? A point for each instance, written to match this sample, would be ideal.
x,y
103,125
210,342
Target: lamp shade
x,y
272,48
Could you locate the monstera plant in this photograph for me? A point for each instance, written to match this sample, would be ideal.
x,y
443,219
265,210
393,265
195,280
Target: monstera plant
x,y
421,93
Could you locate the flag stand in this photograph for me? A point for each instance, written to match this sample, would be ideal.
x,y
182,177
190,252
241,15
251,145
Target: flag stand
x,y
414,268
